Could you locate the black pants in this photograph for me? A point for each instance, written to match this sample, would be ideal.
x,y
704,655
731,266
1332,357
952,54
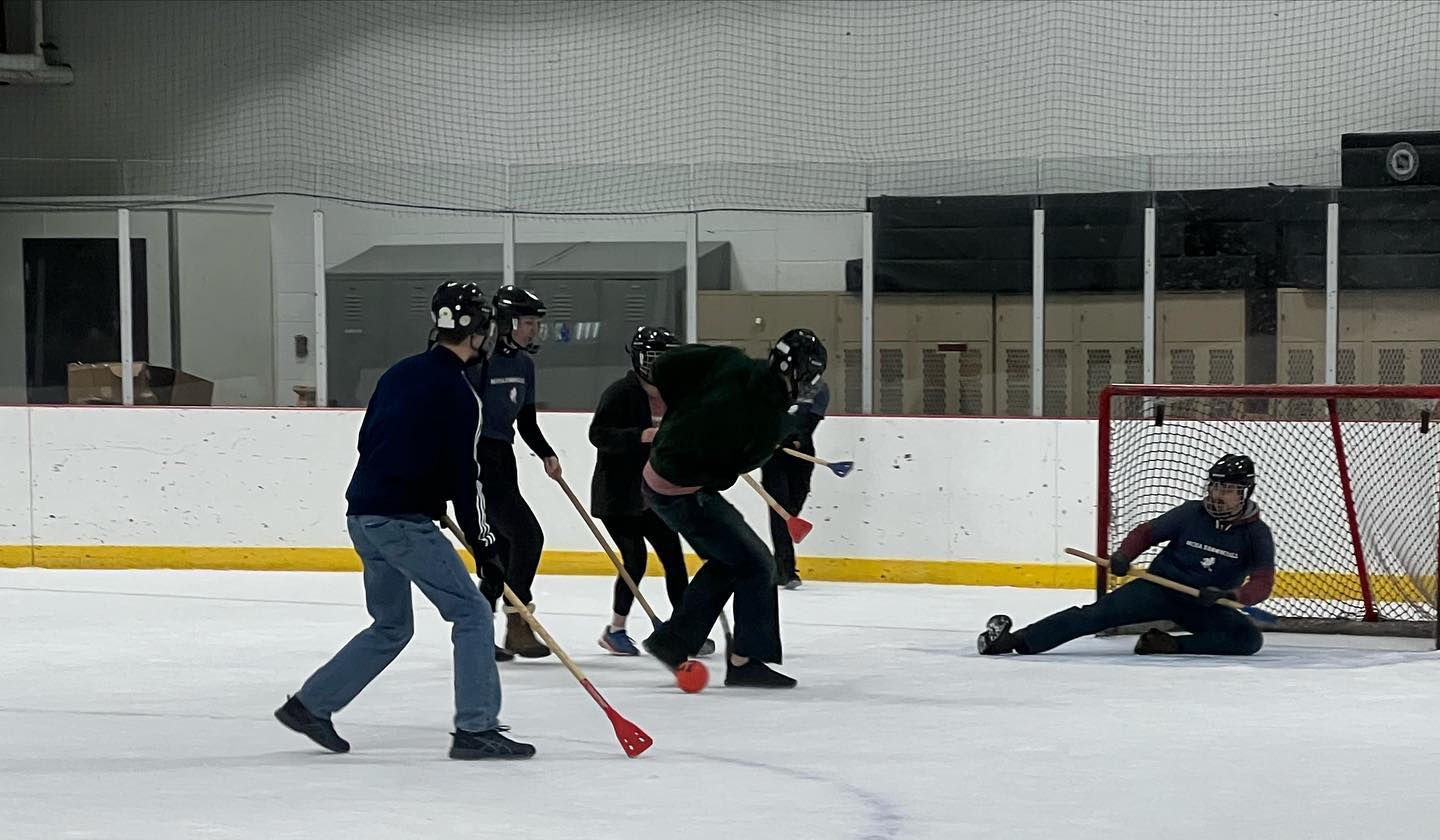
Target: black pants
x,y
1215,629
517,531
787,478
736,562
629,534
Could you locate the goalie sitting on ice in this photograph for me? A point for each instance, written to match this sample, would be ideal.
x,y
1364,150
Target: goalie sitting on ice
x,y
1217,545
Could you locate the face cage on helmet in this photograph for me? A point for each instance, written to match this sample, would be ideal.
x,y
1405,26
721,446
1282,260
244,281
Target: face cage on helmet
x,y
807,388
645,362
1211,508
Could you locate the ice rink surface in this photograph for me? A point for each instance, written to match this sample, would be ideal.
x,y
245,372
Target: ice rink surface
x,y
138,705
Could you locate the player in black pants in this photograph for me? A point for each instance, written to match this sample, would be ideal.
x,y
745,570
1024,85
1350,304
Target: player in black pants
x,y
1214,544
724,415
624,424
506,385
787,478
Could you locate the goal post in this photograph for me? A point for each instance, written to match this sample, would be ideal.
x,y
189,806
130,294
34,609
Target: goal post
x,y
1347,477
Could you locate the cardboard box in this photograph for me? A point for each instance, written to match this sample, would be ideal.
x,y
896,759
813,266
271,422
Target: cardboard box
x,y
100,384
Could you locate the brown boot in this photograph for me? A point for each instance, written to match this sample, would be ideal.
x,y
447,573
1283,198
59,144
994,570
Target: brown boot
x,y
519,638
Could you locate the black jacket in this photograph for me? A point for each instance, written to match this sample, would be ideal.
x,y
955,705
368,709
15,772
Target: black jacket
x,y
725,414
621,417
417,446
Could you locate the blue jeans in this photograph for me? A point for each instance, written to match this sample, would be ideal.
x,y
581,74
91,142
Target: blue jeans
x,y
1214,630
397,551
736,561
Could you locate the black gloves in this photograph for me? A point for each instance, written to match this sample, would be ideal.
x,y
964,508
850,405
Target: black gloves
x,y
1120,563
490,568
1210,594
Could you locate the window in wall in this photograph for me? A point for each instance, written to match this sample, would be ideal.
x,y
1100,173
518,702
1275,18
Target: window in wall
x,y
72,309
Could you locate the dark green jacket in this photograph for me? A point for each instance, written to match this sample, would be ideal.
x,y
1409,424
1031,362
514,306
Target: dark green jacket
x,y
724,415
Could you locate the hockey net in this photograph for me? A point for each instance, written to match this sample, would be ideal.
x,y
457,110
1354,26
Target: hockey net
x,y
1347,477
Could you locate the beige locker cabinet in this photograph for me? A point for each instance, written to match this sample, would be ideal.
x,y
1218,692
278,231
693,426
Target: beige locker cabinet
x,y
1102,364
1300,338
932,354
844,374
1013,327
1013,379
1386,337
1091,340
753,321
1108,347
765,316
1200,338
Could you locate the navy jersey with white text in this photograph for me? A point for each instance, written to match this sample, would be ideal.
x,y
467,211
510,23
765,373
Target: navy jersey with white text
x,y
506,384
1203,552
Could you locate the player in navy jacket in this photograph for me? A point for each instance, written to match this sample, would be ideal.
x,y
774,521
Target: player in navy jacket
x,y
506,385
417,452
1216,544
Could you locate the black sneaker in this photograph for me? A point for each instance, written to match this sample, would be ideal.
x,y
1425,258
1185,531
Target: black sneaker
x,y
1155,640
997,638
792,584
707,648
755,674
473,746
660,647
295,716
503,655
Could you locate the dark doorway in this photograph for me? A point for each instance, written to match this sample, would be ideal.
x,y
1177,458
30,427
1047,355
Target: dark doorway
x,y
72,309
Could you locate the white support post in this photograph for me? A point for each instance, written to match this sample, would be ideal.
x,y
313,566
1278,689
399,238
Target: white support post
x,y
322,331
692,279
507,276
1148,339
127,311
1332,290
37,27
1037,313
867,314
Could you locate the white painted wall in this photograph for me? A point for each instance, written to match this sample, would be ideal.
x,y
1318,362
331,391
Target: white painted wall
x,y
15,449
1013,491
227,304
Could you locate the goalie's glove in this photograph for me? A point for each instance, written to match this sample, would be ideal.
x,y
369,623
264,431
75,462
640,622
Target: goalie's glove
x,y
1120,563
1212,594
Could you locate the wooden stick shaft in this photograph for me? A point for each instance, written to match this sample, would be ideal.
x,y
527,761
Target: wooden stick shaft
x,y
1155,579
802,456
769,499
605,544
522,610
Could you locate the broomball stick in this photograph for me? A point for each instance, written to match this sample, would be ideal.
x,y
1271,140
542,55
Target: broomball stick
x,y
840,468
797,527
1259,615
610,552
632,738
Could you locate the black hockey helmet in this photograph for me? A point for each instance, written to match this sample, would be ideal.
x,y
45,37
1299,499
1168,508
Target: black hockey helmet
x,y
511,304
799,358
458,310
1233,471
647,345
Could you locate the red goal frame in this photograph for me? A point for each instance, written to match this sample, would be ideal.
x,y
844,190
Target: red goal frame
x,y
1331,395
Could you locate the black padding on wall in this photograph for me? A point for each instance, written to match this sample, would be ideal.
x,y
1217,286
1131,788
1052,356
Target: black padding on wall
x,y
1258,238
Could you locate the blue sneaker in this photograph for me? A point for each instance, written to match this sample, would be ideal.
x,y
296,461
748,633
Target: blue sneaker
x,y
618,642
